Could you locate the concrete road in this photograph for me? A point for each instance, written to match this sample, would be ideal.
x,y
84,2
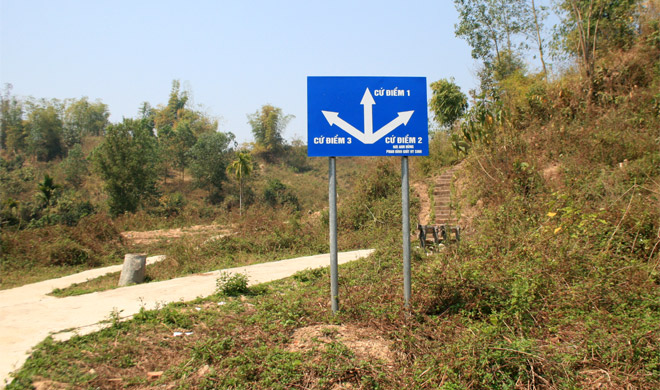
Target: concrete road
x,y
28,315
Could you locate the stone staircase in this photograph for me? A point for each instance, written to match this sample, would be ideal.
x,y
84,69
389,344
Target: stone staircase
x,y
444,215
445,226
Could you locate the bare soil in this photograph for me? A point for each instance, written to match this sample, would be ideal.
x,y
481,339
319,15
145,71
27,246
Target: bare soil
x,y
365,343
421,190
154,236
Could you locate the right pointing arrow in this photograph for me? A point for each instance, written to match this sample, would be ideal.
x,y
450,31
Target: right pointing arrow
x,y
402,119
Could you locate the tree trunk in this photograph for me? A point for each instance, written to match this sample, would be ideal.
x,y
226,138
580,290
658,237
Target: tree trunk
x,y
540,41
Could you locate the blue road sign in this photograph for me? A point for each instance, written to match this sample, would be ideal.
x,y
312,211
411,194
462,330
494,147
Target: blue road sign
x,y
367,116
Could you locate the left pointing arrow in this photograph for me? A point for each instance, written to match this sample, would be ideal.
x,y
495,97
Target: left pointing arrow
x,y
334,119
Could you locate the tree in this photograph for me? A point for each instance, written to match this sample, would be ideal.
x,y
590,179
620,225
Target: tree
x,y
241,167
126,161
178,127
448,102
44,127
12,130
296,156
83,118
175,144
176,104
490,26
538,16
589,26
268,124
47,190
209,158
497,31
75,166
277,193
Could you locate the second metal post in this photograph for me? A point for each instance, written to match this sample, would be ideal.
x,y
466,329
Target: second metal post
x,y
405,211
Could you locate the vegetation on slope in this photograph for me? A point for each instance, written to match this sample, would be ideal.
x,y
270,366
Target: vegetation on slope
x,y
555,285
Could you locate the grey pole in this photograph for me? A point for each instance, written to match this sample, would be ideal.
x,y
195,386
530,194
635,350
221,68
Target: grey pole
x,y
332,200
405,208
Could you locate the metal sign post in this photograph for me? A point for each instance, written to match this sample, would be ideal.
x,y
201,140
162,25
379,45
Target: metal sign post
x,y
367,116
332,200
405,211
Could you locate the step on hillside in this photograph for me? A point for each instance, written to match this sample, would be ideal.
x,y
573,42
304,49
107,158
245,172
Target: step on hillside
x,y
442,199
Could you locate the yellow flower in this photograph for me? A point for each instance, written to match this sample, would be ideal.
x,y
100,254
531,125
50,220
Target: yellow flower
x,y
551,214
558,230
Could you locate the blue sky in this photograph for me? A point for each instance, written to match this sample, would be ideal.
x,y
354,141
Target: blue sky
x,y
234,56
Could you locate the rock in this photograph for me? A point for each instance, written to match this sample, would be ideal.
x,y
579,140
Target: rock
x,y
134,269
49,385
154,374
203,371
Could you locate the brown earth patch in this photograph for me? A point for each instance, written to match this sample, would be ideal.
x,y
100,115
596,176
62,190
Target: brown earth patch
x,y
468,212
365,343
552,173
421,189
153,236
49,385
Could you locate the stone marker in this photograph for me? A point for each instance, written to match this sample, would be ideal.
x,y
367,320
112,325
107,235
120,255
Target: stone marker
x,y
133,271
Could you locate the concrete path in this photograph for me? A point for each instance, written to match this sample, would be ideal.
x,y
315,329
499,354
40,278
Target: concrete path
x,y
28,315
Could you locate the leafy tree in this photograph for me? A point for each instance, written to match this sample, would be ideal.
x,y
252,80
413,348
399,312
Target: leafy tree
x,y
448,102
126,161
83,118
75,166
176,143
538,15
277,193
241,167
498,32
296,156
44,127
490,26
171,113
268,124
47,190
509,64
590,26
178,127
209,158
12,130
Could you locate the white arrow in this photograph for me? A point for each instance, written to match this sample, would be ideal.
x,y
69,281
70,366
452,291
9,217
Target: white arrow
x,y
402,119
368,137
334,119
368,102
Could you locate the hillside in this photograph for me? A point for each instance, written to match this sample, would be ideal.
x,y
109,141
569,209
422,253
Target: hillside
x,y
554,285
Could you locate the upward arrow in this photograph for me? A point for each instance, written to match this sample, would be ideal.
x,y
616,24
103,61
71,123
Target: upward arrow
x,y
368,102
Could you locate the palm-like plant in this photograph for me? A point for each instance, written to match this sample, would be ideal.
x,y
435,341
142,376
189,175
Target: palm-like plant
x,y
47,190
241,168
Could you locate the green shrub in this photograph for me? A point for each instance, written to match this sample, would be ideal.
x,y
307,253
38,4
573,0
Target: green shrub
x,y
232,285
376,200
171,204
67,252
277,193
441,153
75,166
70,209
310,275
